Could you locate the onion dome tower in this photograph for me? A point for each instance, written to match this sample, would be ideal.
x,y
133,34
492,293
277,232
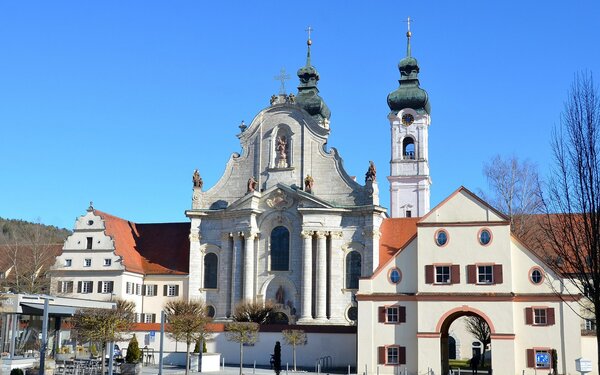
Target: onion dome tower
x,y
409,122
308,94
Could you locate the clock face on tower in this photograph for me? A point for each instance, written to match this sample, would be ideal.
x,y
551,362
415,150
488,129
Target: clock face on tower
x,y
407,119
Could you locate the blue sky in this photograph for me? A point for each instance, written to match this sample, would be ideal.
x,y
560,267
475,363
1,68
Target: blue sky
x,y
118,102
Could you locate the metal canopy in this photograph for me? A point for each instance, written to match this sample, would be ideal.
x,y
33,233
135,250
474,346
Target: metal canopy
x,y
53,310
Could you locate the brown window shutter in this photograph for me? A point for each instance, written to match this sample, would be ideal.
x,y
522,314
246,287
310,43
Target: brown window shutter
x,y
530,358
550,316
59,285
155,289
153,318
164,290
99,286
176,290
381,355
455,274
401,314
111,286
429,274
402,355
528,315
381,314
143,290
497,274
471,274
79,287
69,287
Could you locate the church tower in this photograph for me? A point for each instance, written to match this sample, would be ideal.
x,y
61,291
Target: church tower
x,y
409,123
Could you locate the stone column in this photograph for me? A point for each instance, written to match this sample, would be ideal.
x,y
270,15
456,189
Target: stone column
x,y
225,263
249,266
306,290
321,276
338,301
237,270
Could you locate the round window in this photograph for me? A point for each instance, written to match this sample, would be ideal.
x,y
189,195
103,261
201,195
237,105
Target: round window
x,y
210,311
395,275
90,222
485,236
536,276
441,237
352,313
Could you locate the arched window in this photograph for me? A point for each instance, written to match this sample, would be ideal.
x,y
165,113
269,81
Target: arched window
x,y
353,265
280,249
211,263
408,148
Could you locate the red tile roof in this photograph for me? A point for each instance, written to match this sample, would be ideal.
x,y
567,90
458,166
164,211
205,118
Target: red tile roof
x,y
395,234
150,248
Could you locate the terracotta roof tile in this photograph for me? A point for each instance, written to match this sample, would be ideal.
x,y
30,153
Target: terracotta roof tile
x,y
150,248
395,234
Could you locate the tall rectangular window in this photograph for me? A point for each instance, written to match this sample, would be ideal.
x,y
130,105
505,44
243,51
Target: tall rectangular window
x,y
138,289
151,290
540,317
65,287
392,355
128,288
89,243
172,290
87,287
106,287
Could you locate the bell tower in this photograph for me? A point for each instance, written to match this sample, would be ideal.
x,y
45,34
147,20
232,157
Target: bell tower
x,y
409,118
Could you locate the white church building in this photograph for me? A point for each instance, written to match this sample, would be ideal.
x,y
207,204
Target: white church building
x,y
286,223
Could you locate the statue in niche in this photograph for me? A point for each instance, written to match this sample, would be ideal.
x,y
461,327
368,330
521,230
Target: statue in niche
x,y
309,183
252,184
371,172
279,295
197,179
281,149
273,99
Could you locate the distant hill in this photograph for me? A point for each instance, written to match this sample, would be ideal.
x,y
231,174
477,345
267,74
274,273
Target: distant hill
x,y
21,231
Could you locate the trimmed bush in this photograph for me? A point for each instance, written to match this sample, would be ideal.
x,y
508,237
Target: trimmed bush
x,y
16,371
134,354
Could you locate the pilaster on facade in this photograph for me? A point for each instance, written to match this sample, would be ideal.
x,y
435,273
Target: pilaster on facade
x,y
306,287
321,266
338,299
249,266
225,278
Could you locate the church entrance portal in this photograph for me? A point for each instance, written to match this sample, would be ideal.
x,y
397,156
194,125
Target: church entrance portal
x,y
481,324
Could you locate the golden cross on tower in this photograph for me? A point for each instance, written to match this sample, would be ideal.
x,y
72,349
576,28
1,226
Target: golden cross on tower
x,y
283,76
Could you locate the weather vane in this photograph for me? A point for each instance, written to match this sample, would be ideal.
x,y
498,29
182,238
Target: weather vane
x,y
282,77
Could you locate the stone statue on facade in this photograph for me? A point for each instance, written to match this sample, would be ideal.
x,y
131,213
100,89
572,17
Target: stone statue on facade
x,y
197,179
273,99
291,98
252,184
309,182
281,149
280,295
371,172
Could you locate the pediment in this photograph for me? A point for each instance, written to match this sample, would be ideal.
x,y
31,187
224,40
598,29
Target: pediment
x,y
463,206
279,197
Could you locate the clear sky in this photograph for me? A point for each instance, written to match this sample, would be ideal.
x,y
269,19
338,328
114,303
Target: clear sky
x,y
119,101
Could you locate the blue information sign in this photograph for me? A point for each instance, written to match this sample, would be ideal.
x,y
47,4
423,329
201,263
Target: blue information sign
x,y
542,359
152,333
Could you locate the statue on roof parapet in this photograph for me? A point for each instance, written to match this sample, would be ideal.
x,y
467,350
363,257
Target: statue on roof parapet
x,y
371,174
309,183
197,180
252,184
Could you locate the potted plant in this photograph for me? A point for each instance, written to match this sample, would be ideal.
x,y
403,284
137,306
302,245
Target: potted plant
x,y
132,365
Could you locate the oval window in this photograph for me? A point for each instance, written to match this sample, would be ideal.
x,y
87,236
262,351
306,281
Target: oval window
x,y
536,276
485,236
210,311
353,313
395,276
441,237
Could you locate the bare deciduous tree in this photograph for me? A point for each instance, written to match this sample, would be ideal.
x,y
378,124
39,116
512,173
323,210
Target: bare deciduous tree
x,y
188,323
479,328
254,312
242,333
294,337
104,325
514,189
572,227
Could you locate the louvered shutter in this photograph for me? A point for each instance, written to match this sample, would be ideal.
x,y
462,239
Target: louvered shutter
x,y
402,355
99,286
498,274
429,274
79,287
381,355
176,290
530,358
471,274
401,315
165,290
455,274
550,316
155,290
111,285
143,290
529,315
153,318
381,314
